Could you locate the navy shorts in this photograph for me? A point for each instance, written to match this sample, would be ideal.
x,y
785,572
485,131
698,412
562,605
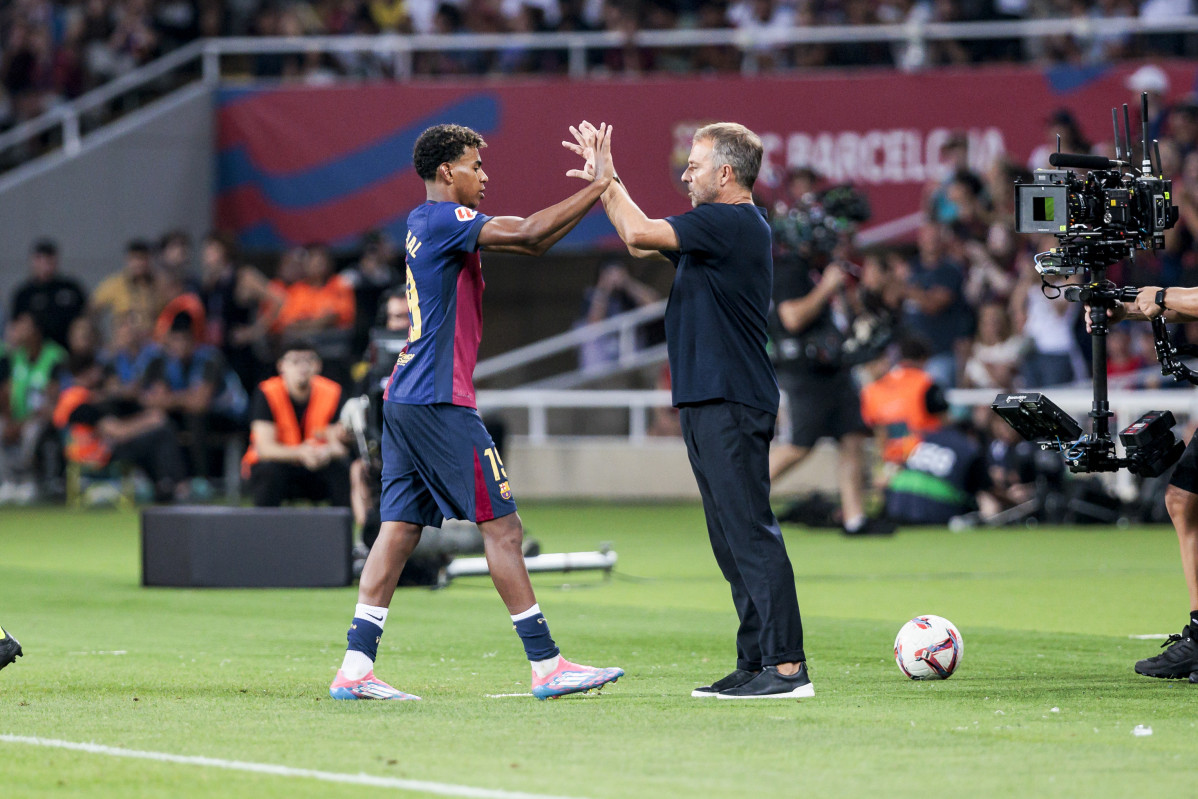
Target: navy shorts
x,y
439,462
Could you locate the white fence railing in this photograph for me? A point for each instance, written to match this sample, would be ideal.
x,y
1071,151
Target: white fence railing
x,y
624,326
397,53
1126,405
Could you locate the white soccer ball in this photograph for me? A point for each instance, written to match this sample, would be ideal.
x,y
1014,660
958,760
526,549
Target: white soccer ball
x,y
928,648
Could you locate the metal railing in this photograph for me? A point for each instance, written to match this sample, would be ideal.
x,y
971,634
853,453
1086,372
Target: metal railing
x,y
64,123
1126,405
630,356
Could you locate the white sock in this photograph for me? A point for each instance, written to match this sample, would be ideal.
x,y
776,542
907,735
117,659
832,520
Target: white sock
x,y
854,524
543,668
534,610
356,665
375,615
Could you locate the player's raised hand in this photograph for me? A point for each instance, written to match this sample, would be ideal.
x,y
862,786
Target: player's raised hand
x,y
583,146
605,168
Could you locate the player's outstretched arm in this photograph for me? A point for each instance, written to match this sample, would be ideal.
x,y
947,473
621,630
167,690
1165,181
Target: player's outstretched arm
x,y
535,234
642,236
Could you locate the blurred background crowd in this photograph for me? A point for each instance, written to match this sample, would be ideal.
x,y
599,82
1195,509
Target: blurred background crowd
x,y
54,50
157,365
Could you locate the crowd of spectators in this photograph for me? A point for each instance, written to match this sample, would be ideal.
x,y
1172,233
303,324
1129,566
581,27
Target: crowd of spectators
x,y
54,50
967,292
157,366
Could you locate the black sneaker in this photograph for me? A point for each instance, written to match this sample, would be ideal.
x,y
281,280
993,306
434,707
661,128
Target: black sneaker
x,y
1179,661
10,648
874,526
770,684
736,678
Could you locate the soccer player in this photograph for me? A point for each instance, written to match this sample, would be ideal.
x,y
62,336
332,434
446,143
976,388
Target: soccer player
x,y
725,390
10,648
438,459
1180,658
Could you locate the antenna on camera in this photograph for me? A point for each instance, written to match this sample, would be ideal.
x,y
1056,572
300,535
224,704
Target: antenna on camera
x,y
1160,167
1115,123
1127,131
1058,142
1146,166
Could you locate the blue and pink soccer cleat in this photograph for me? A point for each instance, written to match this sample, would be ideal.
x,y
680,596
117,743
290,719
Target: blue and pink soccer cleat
x,y
369,687
571,678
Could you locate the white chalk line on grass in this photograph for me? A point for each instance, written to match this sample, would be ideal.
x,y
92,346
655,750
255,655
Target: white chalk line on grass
x,y
1149,637
439,788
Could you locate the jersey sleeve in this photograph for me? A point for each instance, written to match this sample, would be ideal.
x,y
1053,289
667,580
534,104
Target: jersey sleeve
x,y
456,227
703,230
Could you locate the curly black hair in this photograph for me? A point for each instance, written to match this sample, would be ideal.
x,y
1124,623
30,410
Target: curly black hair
x,y
442,144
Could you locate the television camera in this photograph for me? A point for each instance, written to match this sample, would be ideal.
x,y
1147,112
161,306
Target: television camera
x,y
1099,220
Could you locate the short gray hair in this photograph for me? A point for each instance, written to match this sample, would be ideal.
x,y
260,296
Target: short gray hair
x,y
735,145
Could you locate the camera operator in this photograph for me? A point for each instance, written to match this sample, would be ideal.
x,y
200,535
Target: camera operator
x,y
1180,658
822,396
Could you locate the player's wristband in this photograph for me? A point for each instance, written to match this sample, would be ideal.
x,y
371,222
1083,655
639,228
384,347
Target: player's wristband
x,y
1160,300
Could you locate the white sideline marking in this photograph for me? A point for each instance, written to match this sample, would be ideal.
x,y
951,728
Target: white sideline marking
x,y
1149,637
440,788
501,696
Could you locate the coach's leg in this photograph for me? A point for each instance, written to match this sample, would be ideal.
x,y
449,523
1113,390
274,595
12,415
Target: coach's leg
x,y
737,470
748,633
1183,511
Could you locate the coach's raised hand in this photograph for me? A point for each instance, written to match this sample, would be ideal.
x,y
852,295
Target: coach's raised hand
x,y
586,144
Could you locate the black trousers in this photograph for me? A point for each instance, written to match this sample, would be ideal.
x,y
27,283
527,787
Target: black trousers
x,y
156,451
729,446
272,483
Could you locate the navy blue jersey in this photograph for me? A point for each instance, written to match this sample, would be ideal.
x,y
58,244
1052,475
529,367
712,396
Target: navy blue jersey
x,y
445,304
939,480
716,316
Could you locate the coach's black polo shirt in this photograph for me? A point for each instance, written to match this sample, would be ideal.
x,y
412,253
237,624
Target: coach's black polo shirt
x,y
716,316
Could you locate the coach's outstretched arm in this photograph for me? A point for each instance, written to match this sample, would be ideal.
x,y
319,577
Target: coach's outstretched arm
x,y
643,236
535,234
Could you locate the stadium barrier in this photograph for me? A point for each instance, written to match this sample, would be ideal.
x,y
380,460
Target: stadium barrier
x,y
215,547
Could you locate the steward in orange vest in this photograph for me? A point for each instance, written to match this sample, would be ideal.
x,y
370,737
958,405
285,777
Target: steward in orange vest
x,y
896,405
296,450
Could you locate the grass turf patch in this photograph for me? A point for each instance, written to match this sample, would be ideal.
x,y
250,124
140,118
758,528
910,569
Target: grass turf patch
x,y
242,675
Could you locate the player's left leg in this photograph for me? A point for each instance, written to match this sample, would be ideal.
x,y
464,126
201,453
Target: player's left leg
x,y
552,674
1180,658
10,648
355,679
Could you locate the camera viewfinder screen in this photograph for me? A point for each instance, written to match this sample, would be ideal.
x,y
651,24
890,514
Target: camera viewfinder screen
x,y
1043,209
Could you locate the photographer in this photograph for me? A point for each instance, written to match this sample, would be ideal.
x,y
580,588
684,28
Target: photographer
x,y
1180,658
822,396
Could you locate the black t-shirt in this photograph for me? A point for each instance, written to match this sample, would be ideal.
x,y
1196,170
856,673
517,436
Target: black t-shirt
x,y
716,316
90,413
56,303
260,408
816,350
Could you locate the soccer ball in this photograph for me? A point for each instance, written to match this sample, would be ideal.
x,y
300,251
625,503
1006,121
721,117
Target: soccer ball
x,y
928,648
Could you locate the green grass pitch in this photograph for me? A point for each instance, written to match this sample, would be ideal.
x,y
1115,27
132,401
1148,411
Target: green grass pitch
x,y
1044,703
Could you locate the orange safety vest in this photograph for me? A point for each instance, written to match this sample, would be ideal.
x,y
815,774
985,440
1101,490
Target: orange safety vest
x,y
82,445
896,403
322,404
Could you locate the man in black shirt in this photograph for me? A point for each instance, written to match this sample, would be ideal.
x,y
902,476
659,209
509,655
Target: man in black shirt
x,y
53,299
724,387
822,397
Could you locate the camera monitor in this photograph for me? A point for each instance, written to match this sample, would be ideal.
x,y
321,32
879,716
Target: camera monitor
x,y
1036,418
1043,206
